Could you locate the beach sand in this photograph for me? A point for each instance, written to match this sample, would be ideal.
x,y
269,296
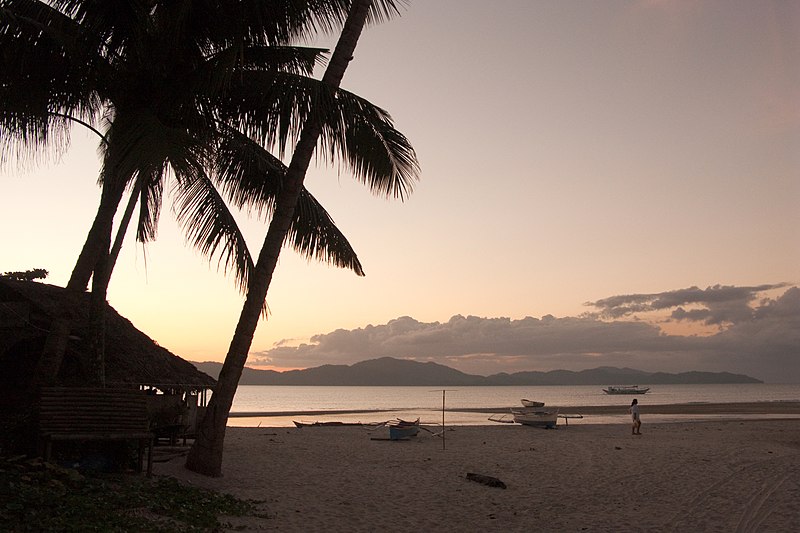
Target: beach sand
x,y
729,475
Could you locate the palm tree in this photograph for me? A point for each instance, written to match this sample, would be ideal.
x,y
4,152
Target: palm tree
x,y
172,82
388,176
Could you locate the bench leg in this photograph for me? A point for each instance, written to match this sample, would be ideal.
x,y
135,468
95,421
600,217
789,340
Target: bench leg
x,y
148,445
48,450
150,458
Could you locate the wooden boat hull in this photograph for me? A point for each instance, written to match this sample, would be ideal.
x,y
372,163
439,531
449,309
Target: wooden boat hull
x,y
544,419
325,424
398,433
403,429
626,390
530,403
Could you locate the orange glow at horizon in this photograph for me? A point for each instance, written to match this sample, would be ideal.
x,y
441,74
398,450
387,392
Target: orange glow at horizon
x,y
273,368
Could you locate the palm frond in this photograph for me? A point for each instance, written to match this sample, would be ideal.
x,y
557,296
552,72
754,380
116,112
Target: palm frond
x,y
112,24
293,59
364,136
280,21
225,23
273,107
268,106
140,142
150,201
45,71
314,234
202,85
250,177
329,15
384,10
210,227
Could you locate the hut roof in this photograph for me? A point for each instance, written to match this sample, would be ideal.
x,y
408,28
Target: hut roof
x,y
131,356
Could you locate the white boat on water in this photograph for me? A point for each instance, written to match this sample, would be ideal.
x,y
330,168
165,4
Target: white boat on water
x,y
530,403
626,389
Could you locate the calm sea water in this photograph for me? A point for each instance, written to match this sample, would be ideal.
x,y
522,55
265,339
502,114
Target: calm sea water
x,y
288,403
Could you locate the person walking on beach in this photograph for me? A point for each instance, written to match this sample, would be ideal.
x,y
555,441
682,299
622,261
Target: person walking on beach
x,y
636,422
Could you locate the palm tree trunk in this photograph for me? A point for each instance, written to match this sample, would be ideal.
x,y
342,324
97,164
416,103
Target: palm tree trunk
x,y
97,318
123,226
94,255
101,278
205,456
95,249
96,242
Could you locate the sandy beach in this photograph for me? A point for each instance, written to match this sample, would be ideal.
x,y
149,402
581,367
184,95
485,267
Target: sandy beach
x,y
729,475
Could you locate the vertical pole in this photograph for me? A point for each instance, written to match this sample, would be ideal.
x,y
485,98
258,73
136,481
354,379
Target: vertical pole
x,y
444,433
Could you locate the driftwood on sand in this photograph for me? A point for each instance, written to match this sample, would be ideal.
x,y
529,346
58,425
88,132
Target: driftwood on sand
x,y
489,481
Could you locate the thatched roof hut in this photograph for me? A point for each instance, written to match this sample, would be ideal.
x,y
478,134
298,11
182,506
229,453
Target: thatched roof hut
x,y
27,311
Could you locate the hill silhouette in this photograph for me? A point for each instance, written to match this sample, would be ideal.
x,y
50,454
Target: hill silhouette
x,y
388,371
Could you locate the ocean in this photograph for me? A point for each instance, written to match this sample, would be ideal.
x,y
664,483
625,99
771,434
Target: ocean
x,y
279,406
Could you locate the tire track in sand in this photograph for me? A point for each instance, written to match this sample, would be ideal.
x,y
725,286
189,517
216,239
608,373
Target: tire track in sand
x,y
758,482
755,512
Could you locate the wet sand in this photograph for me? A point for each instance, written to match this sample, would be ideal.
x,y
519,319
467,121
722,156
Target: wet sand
x,y
749,408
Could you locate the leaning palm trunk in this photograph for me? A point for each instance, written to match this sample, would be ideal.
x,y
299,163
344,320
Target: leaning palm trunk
x,y
123,226
96,242
97,317
104,260
94,255
205,456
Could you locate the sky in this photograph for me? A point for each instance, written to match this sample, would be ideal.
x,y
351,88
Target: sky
x,y
609,183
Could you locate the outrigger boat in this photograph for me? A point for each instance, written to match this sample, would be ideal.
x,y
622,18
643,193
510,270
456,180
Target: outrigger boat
x,y
326,424
535,417
336,423
530,414
402,429
626,389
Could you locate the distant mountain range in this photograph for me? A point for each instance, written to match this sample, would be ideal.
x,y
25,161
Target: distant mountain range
x,y
388,371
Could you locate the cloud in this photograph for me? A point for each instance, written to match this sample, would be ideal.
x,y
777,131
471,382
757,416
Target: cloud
x,y
715,305
761,339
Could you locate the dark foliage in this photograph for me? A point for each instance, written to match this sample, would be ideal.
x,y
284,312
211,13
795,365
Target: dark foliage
x,y
28,275
38,496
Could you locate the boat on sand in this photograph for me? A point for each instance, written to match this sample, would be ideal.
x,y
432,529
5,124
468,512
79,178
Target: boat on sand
x,y
325,424
530,414
336,423
535,417
403,429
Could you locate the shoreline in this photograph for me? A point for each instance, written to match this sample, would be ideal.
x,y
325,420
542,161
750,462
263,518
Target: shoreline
x,y
765,408
720,475
568,416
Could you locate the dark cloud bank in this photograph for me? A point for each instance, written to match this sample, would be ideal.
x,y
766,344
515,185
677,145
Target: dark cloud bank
x,y
752,334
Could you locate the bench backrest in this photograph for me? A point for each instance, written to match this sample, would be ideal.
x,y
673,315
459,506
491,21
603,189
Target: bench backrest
x,y
65,410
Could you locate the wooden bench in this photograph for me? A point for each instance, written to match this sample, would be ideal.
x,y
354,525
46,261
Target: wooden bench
x,y
94,414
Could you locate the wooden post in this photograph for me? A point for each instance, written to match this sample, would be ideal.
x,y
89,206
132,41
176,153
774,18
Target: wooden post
x,y
443,431
443,426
